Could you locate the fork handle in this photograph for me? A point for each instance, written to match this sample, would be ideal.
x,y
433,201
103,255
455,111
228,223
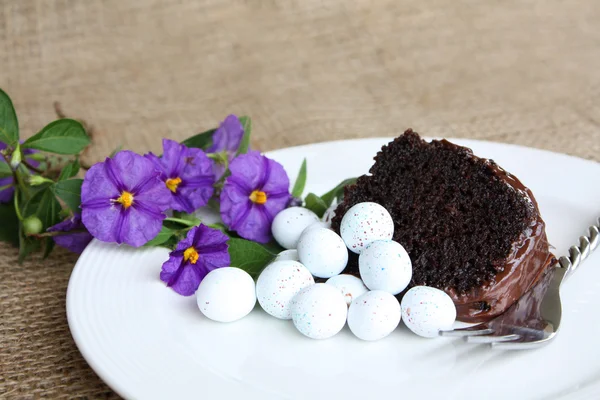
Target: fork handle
x,y
577,254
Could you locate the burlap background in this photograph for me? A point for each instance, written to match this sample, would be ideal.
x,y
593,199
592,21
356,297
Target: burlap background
x,y
525,72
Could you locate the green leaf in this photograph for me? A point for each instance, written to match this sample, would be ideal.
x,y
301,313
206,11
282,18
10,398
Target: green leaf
x,y
9,228
9,125
337,193
5,170
26,246
315,204
70,170
64,136
300,181
201,141
48,247
69,191
272,247
164,235
245,143
48,210
249,256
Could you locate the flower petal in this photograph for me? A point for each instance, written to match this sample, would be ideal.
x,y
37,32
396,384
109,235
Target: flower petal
x,y
278,181
256,225
228,136
234,204
247,170
97,185
131,168
173,158
181,276
100,222
6,194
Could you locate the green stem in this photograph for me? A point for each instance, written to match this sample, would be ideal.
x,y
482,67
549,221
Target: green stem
x,y
185,222
31,167
17,211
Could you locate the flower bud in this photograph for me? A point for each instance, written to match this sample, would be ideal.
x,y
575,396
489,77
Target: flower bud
x,y
32,225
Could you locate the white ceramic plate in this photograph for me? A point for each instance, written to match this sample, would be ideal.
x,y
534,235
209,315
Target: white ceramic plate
x,y
146,341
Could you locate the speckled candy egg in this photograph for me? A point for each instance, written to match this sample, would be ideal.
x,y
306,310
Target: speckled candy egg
x,y
226,294
374,315
291,254
289,224
426,311
364,223
323,252
319,311
385,265
350,286
317,225
279,282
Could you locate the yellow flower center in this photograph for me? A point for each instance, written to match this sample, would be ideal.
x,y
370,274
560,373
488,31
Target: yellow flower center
x,y
258,197
190,254
126,199
172,184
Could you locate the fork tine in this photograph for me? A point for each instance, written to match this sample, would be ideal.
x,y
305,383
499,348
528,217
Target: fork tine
x,y
519,345
466,332
492,339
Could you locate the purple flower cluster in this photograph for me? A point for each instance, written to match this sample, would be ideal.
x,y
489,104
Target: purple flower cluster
x,y
124,200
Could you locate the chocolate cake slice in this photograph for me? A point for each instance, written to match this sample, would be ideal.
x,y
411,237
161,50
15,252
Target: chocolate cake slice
x,y
470,228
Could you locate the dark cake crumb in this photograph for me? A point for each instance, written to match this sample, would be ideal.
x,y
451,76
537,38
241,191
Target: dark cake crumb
x,y
453,215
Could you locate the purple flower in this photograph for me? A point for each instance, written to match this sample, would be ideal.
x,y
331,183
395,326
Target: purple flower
x,y
187,173
227,139
256,190
7,182
75,241
228,136
123,200
203,250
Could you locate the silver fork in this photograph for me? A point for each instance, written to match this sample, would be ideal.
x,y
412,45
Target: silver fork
x,y
534,320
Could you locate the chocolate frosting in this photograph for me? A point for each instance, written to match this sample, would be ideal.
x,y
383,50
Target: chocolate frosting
x,y
525,265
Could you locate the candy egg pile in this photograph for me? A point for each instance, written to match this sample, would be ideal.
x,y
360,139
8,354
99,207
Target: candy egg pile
x,y
286,288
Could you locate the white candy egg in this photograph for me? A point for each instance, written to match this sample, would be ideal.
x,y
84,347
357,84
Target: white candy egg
x,y
364,223
426,311
226,294
385,265
317,225
289,224
279,282
350,286
319,311
323,252
291,254
374,315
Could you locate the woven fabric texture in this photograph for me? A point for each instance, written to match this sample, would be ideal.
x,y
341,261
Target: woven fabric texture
x,y
516,71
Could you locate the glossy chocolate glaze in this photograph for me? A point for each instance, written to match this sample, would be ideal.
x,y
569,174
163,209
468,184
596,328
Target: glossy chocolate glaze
x,y
526,263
